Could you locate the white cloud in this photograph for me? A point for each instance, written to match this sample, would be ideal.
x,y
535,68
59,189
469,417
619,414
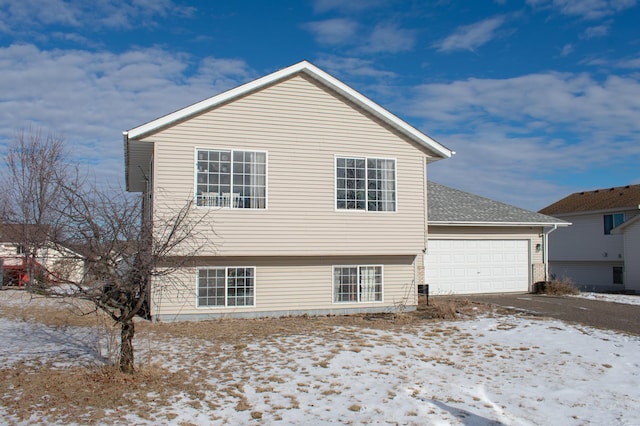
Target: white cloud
x,y
29,15
92,97
469,37
321,6
567,49
344,66
512,134
333,31
389,38
633,63
597,31
586,9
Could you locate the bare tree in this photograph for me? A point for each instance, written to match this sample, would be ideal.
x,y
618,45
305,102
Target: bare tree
x,y
122,249
35,164
124,253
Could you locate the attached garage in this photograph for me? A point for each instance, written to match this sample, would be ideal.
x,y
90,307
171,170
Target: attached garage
x,y
477,266
477,245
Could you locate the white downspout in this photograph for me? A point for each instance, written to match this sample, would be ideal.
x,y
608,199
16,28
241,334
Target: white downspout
x,y
545,252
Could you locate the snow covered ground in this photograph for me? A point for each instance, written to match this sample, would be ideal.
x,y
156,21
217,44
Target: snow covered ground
x,y
488,371
617,298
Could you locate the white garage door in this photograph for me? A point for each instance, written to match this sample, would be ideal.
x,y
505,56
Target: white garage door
x,y
477,266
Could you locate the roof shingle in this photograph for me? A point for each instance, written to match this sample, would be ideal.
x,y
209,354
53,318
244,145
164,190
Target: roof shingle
x,y
623,197
451,205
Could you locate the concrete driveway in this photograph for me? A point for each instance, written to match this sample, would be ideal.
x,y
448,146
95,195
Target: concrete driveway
x,y
595,313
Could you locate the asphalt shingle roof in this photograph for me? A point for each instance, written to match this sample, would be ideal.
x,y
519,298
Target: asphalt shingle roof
x,y
451,205
623,197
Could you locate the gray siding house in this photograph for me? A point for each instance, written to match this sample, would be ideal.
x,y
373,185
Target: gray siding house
x,y
600,251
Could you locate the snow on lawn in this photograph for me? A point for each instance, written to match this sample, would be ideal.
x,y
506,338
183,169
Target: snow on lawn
x,y
488,371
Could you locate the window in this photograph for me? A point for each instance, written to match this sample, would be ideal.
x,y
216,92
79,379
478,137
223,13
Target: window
x,y
357,283
618,273
226,286
366,184
233,179
611,221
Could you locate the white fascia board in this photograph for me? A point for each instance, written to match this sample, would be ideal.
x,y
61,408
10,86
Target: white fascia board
x,y
506,224
315,73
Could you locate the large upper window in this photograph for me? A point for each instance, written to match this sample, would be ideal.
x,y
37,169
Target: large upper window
x,y
357,283
234,179
611,221
226,286
366,184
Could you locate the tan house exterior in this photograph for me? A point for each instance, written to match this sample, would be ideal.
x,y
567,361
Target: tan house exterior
x,y
315,199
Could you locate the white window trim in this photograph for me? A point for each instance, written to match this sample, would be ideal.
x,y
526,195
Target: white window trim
x,y
366,210
217,148
226,276
333,284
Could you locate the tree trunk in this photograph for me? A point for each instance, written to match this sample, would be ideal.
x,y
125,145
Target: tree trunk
x,y
126,347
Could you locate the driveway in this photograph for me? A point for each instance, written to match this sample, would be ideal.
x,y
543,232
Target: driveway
x,y
595,313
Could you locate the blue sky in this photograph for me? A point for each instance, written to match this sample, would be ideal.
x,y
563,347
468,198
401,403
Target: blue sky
x,y
539,98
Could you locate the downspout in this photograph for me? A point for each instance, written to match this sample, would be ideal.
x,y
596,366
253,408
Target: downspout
x,y
425,207
545,252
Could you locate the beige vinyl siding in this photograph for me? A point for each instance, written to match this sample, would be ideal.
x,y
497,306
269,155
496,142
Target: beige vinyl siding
x,y
285,286
302,127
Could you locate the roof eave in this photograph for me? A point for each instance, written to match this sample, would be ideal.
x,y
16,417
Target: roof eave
x,y
439,150
505,224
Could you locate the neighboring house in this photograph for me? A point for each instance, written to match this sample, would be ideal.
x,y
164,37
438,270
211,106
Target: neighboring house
x,y
601,250
54,264
316,195
478,245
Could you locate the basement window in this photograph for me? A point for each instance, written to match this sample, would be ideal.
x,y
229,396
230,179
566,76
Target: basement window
x,y
618,274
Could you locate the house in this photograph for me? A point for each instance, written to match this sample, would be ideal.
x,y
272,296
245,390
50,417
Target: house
x,y
478,245
601,251
316,199
52,263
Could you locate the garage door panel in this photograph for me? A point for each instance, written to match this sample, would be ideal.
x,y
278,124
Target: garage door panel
x,y
477,266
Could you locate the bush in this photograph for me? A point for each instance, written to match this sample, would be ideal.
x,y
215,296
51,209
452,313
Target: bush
x,y
558,287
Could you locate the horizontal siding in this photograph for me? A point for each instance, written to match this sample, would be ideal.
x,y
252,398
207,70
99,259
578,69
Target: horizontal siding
x,y
301,127
632,254
584,240
587,276
285,284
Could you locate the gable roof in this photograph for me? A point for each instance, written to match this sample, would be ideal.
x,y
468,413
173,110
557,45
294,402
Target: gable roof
x,y
623,197
449,206
437,150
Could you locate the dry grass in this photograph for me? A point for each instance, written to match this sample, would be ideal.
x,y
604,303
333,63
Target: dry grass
x,y
88,394
560,287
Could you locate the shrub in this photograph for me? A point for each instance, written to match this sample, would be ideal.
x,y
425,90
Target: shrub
x,y
560,287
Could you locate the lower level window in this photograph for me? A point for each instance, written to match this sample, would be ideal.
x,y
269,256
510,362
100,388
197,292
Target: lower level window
x,y
226,286
357,283
618,273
